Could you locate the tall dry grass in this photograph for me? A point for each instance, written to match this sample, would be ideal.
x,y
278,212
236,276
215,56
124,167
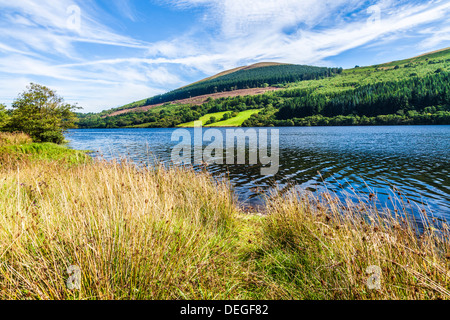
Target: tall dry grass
x,y
134,233
319,247
11,139
142,233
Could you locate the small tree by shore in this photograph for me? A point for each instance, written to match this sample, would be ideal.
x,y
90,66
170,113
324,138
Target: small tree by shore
x,y
42,114
4,117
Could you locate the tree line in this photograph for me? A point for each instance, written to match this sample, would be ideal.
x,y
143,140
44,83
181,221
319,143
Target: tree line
x,y
370,100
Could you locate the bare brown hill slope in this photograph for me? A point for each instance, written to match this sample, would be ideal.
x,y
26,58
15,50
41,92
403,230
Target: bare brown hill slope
x,y
198,100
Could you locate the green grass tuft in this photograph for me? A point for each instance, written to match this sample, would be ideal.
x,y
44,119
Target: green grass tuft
x,y
45,151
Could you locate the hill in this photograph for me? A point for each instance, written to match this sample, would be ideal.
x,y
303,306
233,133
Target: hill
x,y
260,75
226,72
198,100
409,91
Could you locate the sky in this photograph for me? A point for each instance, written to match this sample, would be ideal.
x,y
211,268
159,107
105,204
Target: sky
x,y
103,54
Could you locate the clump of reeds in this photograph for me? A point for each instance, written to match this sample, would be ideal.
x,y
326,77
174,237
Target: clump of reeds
x,y
134,233
320,247
17,138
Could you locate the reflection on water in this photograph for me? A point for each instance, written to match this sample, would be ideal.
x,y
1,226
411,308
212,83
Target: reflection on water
x,y
415,159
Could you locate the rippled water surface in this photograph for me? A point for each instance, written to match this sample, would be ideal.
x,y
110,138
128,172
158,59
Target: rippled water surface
x,y
415,159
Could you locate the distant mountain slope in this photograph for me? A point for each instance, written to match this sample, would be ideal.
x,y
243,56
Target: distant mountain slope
x,y
409,91
199,100
224,73
255,76
426,56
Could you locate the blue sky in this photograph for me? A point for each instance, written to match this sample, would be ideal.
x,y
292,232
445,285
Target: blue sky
x,y
106,53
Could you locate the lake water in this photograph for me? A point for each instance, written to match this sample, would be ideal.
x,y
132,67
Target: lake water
x,y
414,159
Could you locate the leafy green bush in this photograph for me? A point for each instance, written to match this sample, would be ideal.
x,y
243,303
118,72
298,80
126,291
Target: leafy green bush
x,y
42,114
211,120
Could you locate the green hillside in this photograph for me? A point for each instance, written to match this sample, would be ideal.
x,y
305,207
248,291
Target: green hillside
x,y
248,78
255,76
409,91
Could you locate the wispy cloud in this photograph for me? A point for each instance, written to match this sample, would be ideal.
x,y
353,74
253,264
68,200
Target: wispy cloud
x,y
126,8
89,61
309,31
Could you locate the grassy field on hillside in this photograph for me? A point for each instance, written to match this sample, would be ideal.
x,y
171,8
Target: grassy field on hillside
x,y
158,233
204,119
232,122
236,121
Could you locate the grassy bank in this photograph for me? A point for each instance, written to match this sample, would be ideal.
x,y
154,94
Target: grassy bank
x,y
322,248
18,146
178,234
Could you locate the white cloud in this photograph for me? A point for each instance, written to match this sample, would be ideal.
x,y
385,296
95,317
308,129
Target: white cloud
x,y
48,25
252,16
436,36
255,30
126,8
36,43
36,35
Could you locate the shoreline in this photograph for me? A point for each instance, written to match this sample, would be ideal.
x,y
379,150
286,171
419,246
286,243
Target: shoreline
x,y
274,127
174,233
